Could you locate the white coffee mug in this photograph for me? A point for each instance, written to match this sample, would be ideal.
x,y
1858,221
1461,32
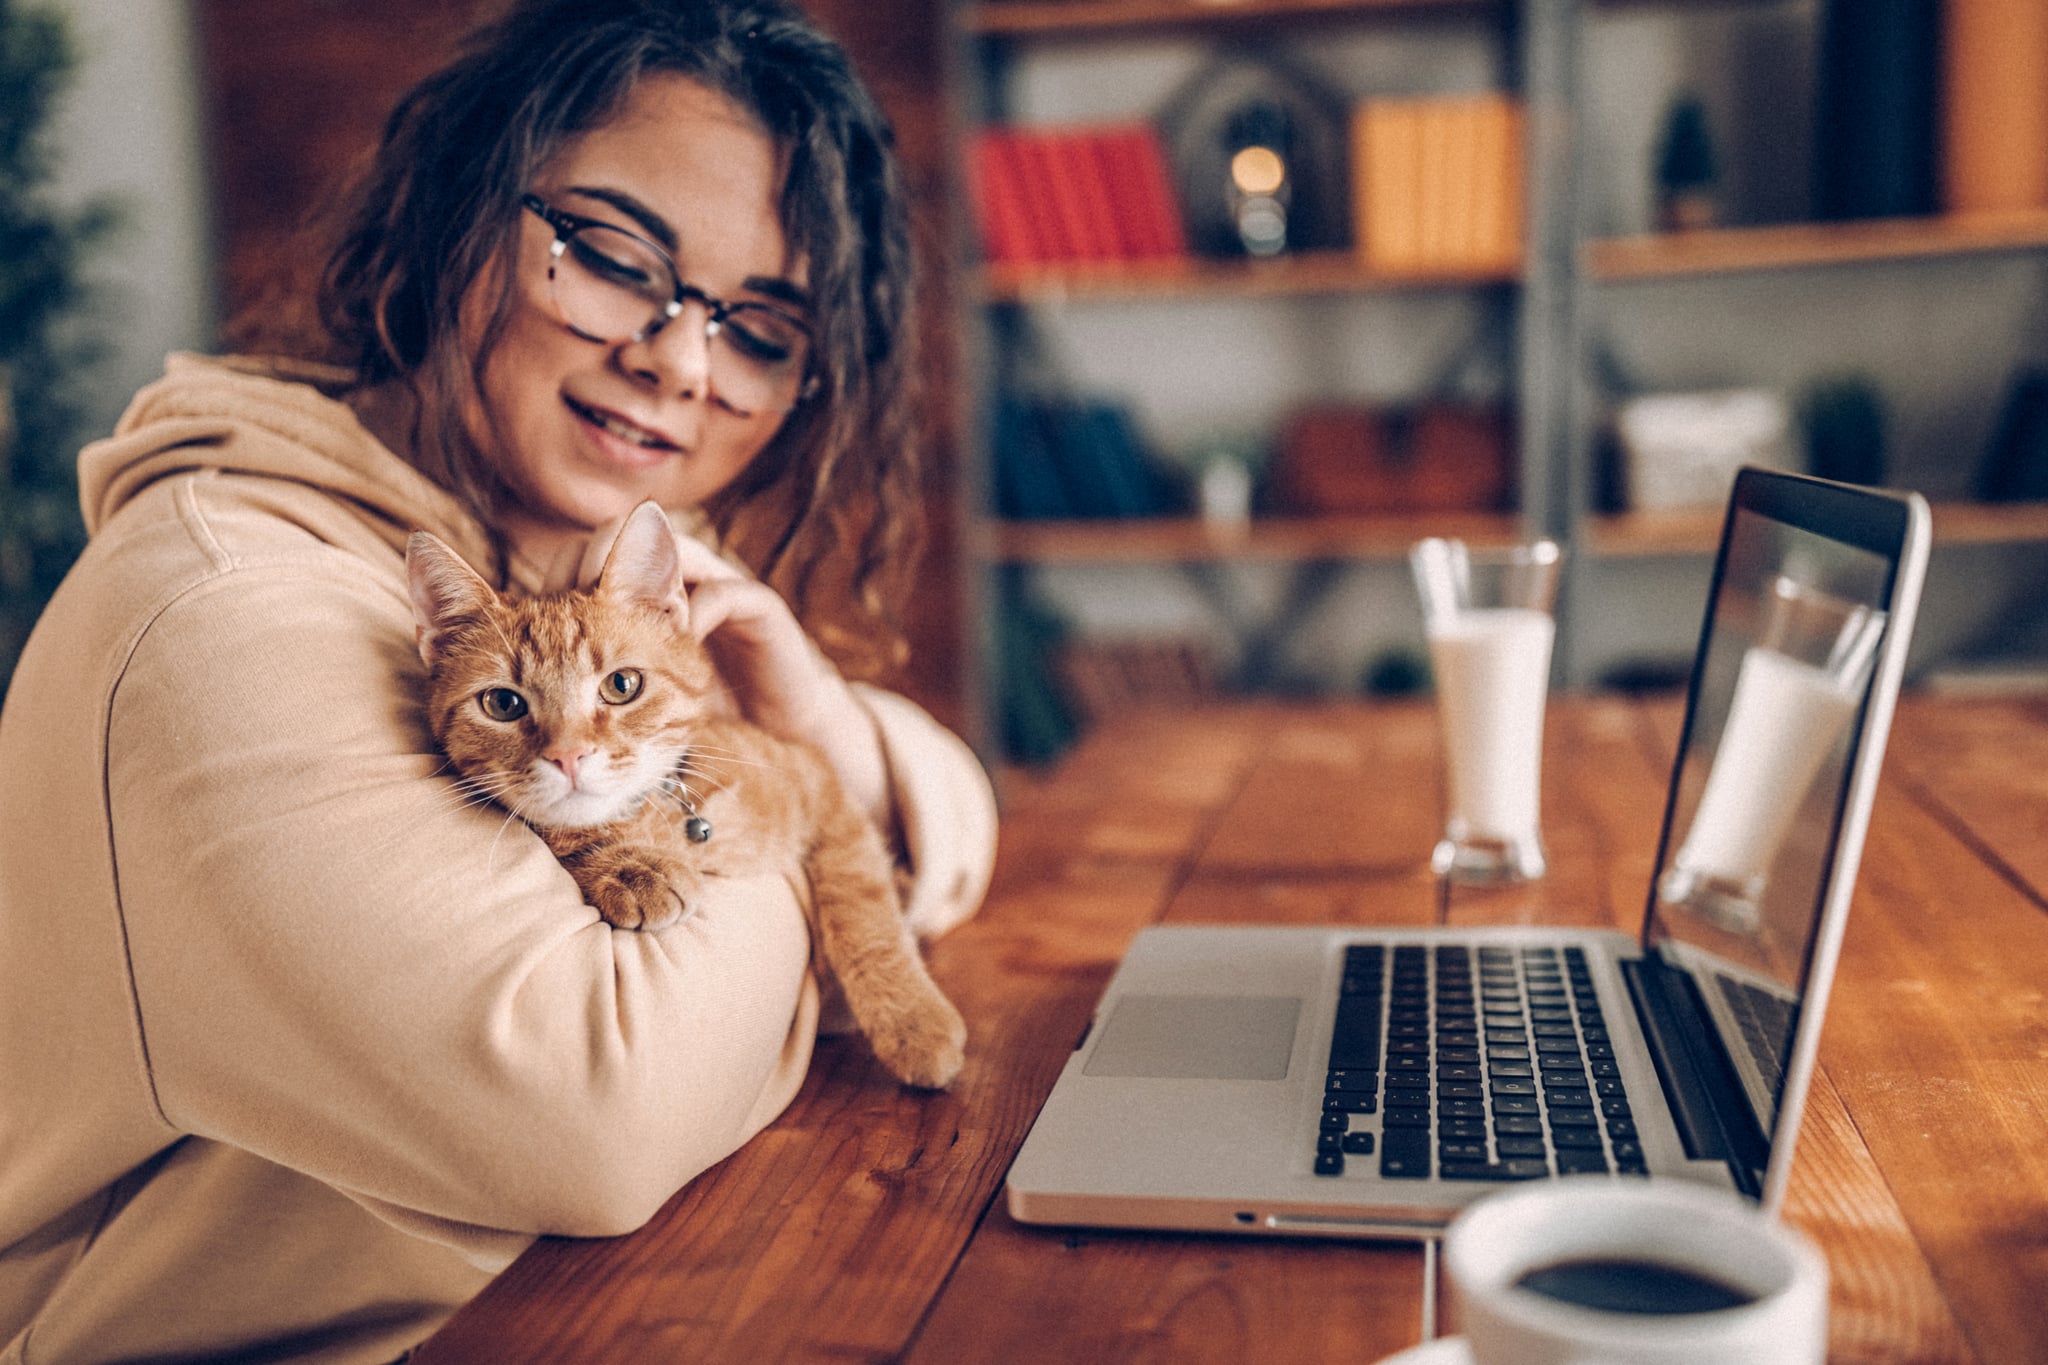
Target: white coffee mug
x,y
1597,1271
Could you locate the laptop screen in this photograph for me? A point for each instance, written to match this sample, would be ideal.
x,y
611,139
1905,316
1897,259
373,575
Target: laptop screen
x,y
1781,689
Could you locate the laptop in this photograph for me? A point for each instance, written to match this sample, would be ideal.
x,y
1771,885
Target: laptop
x,y
1357,1082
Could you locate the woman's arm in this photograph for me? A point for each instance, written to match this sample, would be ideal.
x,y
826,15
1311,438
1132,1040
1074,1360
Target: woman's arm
x,y
914,778
343,966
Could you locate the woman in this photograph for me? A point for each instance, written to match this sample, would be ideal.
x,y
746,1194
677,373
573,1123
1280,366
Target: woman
x,y
296,1049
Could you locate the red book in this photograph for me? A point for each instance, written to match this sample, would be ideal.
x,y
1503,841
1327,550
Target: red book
x,y
1055,181
1146,205
1000,210
1076,149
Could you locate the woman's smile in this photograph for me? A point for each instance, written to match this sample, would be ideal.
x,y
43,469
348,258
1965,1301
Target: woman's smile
x,y
620,439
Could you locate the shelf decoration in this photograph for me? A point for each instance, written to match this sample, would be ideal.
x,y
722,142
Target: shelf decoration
x,y
1682,449
1843,421
1433,457
1257,147
1687,171
1439,184
1096,192
2016,467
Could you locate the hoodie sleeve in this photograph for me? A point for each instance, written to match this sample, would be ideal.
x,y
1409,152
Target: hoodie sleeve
x,y
344,966
947,810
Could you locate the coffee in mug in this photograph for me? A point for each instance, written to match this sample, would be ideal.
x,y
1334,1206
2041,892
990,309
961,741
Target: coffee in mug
x,y
1598,1271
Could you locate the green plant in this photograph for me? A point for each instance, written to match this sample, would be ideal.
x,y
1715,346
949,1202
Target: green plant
x,y
1686,168
44,351
1843,419
1685,153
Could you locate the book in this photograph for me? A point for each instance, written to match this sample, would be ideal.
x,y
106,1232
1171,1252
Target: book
x,y
1439,184
997,195
1074,193
1387,151
1499,206
1142,196
1994,152
1874,134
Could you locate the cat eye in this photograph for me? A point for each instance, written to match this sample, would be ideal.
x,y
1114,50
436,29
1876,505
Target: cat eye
x,y
501,703
620,686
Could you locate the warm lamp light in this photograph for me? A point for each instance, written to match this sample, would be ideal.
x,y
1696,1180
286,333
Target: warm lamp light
x,y
1257,170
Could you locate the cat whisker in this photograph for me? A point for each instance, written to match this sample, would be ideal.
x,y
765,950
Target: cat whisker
x,y
719,755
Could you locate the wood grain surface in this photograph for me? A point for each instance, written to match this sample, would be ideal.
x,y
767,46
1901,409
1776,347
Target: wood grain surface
x,y
867,1223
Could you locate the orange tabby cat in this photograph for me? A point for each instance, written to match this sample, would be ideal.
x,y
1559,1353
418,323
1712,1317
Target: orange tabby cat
x,y
593,717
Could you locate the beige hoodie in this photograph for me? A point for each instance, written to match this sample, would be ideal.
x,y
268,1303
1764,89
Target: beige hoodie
x,y
296,1049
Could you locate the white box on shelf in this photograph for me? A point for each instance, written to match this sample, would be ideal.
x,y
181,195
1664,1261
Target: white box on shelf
x,y
1682,449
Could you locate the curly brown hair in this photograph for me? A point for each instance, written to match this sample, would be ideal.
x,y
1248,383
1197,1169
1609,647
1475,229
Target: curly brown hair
x,y
829,512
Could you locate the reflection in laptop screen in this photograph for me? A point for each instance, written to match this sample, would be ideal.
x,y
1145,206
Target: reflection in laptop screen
x,y
1778,703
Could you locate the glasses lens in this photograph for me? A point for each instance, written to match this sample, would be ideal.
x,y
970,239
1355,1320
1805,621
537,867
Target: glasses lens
x,y
610,285
758,356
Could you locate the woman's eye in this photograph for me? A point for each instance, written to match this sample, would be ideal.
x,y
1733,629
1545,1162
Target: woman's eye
x,y
501,703
620,686
763,335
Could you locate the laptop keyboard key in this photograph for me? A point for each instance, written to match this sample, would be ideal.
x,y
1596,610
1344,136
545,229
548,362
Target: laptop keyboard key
x,y
1404,1153
1514,1169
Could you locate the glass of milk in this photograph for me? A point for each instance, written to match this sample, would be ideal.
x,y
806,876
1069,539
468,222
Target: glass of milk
x,y
1796,691
1487,612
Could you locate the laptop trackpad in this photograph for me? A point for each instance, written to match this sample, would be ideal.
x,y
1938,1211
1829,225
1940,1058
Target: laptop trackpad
x,y
1198,1037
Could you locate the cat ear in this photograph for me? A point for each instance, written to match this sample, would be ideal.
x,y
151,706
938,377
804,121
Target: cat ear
x,y
643,565
445,592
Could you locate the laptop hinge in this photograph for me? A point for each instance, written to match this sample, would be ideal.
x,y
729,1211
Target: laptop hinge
x,y
1705,1095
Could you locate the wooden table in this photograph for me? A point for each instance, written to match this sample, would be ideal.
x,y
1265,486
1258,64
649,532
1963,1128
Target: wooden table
x,y
867,1223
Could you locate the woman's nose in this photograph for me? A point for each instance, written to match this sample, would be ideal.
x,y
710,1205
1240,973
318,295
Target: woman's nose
x,y
677,357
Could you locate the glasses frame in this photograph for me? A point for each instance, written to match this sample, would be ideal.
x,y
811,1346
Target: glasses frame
x,y
716,310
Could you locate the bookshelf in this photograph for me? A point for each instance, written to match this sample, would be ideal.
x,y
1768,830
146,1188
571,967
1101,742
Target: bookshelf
x,y
1381,536
1307,272
1554,312
1073,18
1644,535
1799,245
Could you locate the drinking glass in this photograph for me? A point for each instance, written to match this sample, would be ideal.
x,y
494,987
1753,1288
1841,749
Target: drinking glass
x,y
1487,613
1795,692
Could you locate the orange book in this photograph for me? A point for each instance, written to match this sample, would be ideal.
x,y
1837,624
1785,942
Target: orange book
x,y
1498,205
1994,124
1442,174
1388,185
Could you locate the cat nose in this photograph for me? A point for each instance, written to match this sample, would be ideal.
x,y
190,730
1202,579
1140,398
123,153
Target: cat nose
x,y
566,759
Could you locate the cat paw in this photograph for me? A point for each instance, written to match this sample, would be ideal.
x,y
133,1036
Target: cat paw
x,y
637,892
924,1048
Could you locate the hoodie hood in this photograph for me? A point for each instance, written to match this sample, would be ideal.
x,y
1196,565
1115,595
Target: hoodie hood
x,y
270,419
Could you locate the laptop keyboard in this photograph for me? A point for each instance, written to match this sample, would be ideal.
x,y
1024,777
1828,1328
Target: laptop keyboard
x,y
1766,1022
1486,1063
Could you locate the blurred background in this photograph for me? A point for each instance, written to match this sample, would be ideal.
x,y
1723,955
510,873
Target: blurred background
x,y
1231,300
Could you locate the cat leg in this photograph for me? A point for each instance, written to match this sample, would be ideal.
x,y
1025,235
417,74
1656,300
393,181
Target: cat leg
x,y
634,886
914,1029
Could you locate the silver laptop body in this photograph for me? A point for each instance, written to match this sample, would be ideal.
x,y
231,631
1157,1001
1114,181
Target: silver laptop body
x,y
1370,1083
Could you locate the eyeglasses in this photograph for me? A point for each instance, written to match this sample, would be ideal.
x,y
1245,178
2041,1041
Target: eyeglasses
x,y
615,286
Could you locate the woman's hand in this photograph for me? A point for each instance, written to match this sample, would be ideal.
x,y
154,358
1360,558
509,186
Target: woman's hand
x,y
781,680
